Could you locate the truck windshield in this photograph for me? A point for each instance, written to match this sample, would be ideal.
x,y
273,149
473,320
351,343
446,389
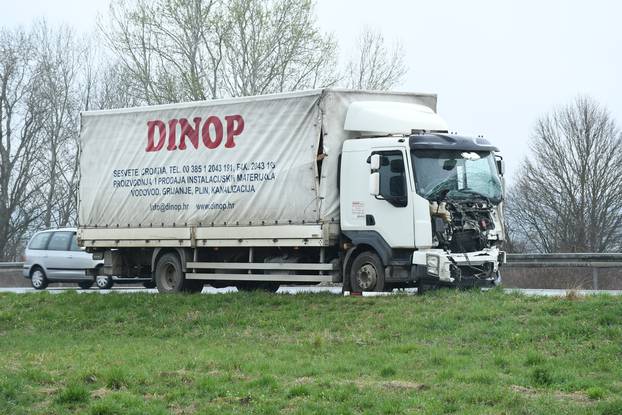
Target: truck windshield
x,y
451,174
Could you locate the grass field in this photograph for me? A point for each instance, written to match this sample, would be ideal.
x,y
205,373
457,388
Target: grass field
x,y
446,352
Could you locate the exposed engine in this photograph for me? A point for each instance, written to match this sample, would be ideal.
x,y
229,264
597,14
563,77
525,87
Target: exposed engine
x,y
463,226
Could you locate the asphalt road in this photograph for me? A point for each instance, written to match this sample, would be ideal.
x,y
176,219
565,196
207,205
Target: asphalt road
x,y
293,290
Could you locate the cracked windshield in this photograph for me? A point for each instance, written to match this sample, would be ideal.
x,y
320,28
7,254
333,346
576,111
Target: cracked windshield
x,y
452,175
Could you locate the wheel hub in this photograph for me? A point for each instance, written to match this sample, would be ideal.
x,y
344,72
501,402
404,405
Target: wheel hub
x,y
37,279
367,277
170,277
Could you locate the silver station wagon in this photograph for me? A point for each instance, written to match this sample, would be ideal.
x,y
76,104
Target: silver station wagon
x,y
54,256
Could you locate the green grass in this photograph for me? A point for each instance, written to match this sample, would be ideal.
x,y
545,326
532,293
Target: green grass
x,y
446,352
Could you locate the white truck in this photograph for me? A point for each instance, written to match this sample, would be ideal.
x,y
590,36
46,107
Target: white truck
x,y
362,188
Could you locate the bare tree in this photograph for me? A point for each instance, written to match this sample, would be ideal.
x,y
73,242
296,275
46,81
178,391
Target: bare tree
x,y
568,196
175,50
21,124
514,241
170,50
59,64
275,46
41,80
375,66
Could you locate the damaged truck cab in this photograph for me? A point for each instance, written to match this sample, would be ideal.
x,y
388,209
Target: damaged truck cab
x,y
428,203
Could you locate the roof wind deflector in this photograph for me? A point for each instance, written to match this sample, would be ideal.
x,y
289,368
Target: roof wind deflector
x,y
387,117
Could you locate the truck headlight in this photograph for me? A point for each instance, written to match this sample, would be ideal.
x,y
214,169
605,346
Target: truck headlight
x,y
432,262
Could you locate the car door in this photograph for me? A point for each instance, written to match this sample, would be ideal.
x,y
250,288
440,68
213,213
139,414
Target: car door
x,y
36,252
59,263
80,259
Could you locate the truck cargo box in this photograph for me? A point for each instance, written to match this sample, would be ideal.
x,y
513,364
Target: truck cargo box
x,y
217,169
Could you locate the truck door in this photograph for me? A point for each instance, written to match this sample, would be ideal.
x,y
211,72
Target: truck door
x,y
390,213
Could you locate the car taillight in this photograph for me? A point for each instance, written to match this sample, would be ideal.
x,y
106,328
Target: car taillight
x,y
24,258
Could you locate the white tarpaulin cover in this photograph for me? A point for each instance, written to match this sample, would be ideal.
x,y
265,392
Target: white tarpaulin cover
x,y
228,162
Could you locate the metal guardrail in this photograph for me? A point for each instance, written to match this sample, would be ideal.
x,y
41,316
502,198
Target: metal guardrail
x,y
580,259
11,265
595,261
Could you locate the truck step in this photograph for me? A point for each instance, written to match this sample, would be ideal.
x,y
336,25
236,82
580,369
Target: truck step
x,y
259,277
282,266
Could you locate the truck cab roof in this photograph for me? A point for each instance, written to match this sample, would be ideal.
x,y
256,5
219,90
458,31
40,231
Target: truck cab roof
x,y
428,141
449,142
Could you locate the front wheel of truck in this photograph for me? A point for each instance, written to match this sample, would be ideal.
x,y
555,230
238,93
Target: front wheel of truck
x,y
367,273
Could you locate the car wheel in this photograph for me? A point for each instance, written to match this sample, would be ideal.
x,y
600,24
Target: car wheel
x,y
85,285
38,279
103,282
367,273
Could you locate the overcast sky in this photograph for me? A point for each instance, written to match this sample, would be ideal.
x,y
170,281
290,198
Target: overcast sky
x,y
495,65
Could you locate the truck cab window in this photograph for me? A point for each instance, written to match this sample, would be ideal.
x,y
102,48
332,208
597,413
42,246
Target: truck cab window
x,y
393,178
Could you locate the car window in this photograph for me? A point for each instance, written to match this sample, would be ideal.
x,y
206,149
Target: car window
x,y
60,241
40,241
74,243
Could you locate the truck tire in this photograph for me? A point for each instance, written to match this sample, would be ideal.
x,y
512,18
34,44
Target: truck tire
x,y
367,273
169,276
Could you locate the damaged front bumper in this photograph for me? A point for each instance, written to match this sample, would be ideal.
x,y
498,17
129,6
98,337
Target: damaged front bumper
x,y
480,268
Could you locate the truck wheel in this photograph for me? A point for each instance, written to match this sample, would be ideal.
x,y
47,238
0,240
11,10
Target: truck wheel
x,y
367,273
38,279
103,282
85,285
169,276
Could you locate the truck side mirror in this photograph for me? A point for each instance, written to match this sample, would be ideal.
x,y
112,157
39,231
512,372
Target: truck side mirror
x,y
374,184
374,177
375,162
500,165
